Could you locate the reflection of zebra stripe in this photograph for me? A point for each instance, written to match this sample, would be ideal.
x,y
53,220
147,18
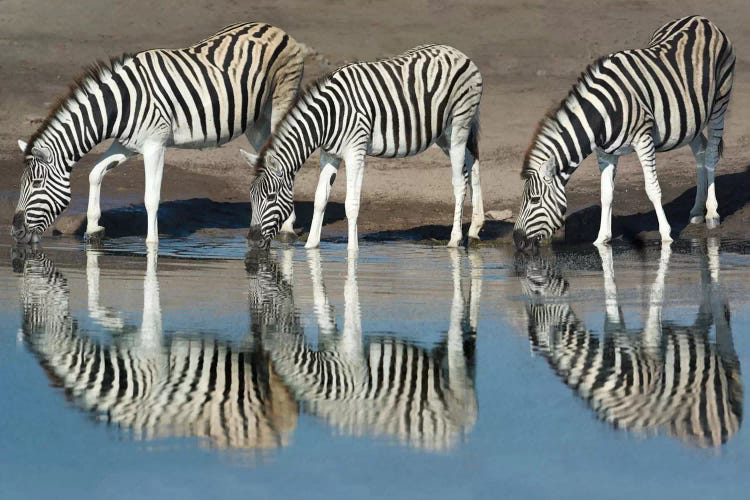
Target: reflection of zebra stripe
x,y
239,80
188,388
394,389
686,386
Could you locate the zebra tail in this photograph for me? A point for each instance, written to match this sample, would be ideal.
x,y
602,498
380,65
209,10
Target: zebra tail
x,y
472,144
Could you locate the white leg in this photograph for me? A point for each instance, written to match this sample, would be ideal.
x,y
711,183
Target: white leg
x,y
457,155
477,205
351,339
114,156
608,169
612,308
151,327
698,146
715,132
153,162
355,170
647,156
329,166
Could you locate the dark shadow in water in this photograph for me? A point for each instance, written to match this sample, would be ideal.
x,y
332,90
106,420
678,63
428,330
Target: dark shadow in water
x,y
664,378
181,218
492,230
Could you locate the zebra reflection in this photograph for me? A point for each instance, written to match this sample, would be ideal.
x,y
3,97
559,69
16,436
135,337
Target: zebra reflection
x,y
377,385
662,379
145,383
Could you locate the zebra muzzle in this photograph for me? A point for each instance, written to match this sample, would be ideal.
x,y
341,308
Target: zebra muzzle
x,y
256,239
20,231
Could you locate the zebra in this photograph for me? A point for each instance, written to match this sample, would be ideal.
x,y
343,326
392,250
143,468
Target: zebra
x,y
394,107
663,379
240,80
645,101
379,386
148,385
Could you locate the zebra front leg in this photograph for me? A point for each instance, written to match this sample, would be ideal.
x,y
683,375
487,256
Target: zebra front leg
x,y
153,163
608,169
114,156
329,166
355,170
698,146
458,156
647,156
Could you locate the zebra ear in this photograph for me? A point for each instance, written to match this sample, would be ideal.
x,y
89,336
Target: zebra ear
x,y
549,169
43,154
250,158
22,145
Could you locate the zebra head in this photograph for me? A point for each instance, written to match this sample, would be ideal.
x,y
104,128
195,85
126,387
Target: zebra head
x,y
45,193
542,207
271,199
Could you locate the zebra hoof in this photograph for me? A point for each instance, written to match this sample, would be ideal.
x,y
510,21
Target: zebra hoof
x,y
94,236
712,222
697,219
286,237
472,242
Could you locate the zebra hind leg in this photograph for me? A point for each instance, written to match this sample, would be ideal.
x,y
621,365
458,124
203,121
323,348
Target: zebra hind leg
x,y
713,151
698,146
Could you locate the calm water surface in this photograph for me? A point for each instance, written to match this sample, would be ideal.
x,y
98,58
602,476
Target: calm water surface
x,y
404,371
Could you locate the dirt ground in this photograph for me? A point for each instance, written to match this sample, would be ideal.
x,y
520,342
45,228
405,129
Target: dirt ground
x,y
529,52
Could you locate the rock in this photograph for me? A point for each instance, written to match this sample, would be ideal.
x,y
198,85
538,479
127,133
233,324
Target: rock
x,y
505,214
583,226
71,224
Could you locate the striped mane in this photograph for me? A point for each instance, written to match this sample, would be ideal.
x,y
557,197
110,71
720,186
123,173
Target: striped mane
x,y
91,75
551,115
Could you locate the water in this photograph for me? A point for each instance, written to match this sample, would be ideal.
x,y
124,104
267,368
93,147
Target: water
x,y
409,371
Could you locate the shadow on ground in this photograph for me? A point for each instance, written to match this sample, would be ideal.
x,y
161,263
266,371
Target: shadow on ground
x,y
491,231
184,217
732,192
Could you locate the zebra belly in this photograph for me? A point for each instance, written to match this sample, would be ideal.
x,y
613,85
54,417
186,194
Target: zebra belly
x,y
389,146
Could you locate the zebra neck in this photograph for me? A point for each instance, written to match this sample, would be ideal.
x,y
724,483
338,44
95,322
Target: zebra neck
x,y
79,122
299,134
569,134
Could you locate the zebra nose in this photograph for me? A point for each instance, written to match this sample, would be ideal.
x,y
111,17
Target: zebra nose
x,y
254,234
519,239
19,221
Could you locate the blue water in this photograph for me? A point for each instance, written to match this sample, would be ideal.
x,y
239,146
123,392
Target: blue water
x,y
451,374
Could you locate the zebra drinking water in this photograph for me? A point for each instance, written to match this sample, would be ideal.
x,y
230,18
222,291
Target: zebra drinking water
x,y
390,108
240,80
646,100
661,378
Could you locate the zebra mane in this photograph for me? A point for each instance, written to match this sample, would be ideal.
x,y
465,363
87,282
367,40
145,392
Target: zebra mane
x,y
260,165
550,116
91,75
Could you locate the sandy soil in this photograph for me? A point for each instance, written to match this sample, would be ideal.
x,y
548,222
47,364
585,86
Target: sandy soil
x,y
530,53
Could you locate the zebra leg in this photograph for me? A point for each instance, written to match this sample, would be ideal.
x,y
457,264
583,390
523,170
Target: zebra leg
x,y
355,170
114,156
153,162
647,156
477,204
608,169
715,133
457,155
698,146
329,165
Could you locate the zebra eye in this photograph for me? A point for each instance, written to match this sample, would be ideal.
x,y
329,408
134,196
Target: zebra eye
x,y
36,183
535,199
272,197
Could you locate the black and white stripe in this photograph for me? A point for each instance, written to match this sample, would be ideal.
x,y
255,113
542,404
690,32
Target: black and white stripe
x,y
389,108
646,100
665,378
240,80
373,385
150,386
